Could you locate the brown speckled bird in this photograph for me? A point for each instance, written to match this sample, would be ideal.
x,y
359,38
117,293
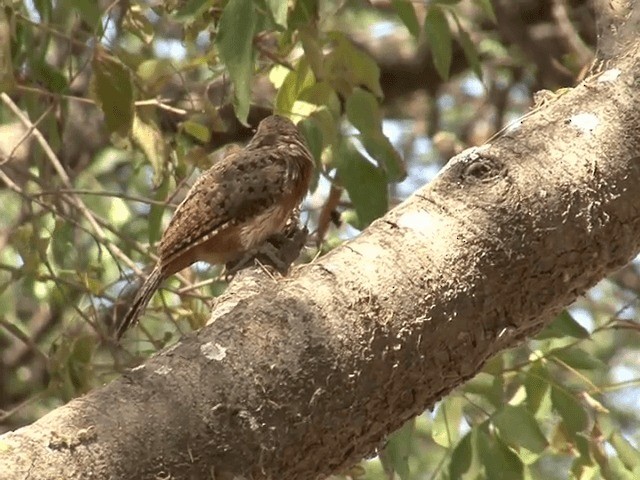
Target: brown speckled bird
x,y
234,206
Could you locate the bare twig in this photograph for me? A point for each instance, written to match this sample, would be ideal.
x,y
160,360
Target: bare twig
x,y
99,231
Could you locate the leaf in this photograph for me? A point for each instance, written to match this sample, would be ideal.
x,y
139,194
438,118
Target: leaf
x,y
536,385
446,424
44,9
489,386
137,22
519,428
155,73
304,12
312,47
364,113
313,134
407,13
487,8
48,76
7,81
469,48
62,243
112,88
500,463
89,11
347,67
577,358
197,130
147,135
278,9
573,415
439,35
395,457
563,326
323,95
627,453
463,464
366,184
235,46
294,83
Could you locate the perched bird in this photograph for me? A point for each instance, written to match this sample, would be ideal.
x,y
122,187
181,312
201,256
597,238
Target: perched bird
x,y
234,206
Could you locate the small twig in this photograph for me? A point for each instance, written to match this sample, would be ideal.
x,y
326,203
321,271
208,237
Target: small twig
x,y
122,196
99,231
26,135
23,337
53,31
163,106
156,102
326,213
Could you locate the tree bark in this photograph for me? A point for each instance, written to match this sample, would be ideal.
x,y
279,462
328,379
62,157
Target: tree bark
x,y
298,377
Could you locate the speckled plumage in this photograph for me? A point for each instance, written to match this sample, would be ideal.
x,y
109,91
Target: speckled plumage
x,y
234,206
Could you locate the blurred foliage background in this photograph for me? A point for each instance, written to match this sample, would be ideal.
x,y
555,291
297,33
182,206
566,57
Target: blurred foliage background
x,y
109,109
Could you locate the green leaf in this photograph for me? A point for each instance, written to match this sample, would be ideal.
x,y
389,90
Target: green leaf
x,y
278,9
323,95
309,37
44,9
313,134
463,464
407,13
48,76
62,243
563,326
570,410
519,428
235,46
112,89
395,457
7,81
294,83
364,113
487,8
137,22
500,463
89,11
469,48
147,135
489,386
347,67
366,184
446,424
197,130
439,35
627,453
155,73
579,359
304,12
536,385
380,148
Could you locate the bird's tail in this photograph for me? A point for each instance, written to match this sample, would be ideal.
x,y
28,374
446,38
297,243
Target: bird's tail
x,y
148,288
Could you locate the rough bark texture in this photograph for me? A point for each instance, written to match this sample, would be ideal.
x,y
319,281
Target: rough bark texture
x,y
296,378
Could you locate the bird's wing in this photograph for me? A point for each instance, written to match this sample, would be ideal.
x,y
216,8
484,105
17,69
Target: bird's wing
x,y
236,189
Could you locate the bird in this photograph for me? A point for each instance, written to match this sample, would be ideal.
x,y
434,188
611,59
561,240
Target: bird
x,y
233,207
